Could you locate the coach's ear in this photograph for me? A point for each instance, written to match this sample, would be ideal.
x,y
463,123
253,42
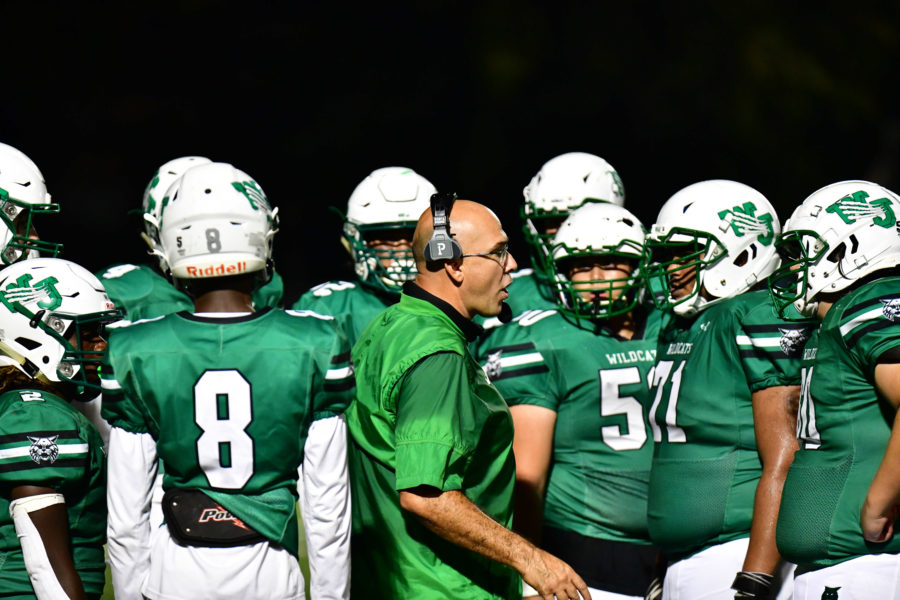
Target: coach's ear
x,y
454,270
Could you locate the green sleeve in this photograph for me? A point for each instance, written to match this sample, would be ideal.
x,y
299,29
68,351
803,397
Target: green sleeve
x,y
119,408
771,348
41,444
339,385
433,419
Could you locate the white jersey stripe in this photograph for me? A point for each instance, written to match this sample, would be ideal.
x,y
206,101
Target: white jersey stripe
x,y
866,316
522,359
766,342
342,373
26,450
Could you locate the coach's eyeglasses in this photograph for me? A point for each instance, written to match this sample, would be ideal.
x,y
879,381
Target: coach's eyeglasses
x,y
499,255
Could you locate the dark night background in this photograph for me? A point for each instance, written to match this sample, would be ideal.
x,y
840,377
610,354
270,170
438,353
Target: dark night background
x,y
308,98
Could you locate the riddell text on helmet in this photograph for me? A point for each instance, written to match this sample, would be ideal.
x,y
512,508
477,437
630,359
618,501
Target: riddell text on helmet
x,y
222,269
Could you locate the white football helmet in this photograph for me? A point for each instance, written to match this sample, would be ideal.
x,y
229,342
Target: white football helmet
x,y
385,206
45,304
563,184
723,230
216,222
23,194
840,234
598,230
155,192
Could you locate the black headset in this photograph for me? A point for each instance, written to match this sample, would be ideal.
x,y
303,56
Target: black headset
x,y
442,246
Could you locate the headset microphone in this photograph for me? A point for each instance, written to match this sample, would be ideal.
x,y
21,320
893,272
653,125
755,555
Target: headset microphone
x,y
505,315
442,246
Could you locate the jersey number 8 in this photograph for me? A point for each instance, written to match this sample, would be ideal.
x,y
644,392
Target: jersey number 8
x,y
223,410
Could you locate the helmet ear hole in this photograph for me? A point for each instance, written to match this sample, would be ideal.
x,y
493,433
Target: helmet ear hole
x,y
838,253
741,259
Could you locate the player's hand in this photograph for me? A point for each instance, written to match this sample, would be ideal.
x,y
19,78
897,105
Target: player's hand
x,y
877,527
553,578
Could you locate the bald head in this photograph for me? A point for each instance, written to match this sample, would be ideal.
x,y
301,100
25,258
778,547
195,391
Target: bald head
x,y
475,285
470,223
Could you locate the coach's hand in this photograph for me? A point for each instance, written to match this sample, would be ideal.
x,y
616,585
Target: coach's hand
x,y
877,525
552,577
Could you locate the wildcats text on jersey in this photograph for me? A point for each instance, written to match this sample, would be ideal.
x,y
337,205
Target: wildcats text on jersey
x,y
632,356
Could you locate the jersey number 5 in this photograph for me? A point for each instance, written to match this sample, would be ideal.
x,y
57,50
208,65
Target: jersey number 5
x,y
223,410
618,437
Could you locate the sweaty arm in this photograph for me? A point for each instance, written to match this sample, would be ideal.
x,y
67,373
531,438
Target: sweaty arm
x,y
131,470
774,422
454,517
325,503
42,526
882,504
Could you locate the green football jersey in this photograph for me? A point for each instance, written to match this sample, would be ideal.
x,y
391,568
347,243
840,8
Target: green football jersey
x,y
596,382
352,305
425,414
142,293
229,402
705,461
45,442
845,430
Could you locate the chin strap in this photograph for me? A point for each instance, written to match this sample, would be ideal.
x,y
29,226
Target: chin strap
x,y
40,571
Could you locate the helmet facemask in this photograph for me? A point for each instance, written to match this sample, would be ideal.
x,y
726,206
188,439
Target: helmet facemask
x,y
17,218
389,267
789,284
675,262
607,297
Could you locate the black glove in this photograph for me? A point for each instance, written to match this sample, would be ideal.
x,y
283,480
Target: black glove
x,y
654,592
752,586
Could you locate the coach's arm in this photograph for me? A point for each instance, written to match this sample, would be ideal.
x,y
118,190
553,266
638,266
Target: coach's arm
x,y
454,517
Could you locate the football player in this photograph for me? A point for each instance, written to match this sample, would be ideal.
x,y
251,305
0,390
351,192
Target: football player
x,y
233,401
576,382
841,251
381,217
138,290
564,183
23,194
52,468
724,387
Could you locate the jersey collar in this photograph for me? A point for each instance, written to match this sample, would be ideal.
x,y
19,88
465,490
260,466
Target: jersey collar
x,y
469,329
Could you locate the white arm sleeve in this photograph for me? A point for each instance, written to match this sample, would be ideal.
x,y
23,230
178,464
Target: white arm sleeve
x,y
131,468
325,503
40,571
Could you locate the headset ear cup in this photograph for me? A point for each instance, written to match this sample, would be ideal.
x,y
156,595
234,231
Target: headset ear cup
x,y
441,246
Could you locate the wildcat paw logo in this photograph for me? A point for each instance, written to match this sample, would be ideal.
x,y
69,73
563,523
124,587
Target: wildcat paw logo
x,y
43,449
856,206
793,340
492,367
253,193
22,292
745,222
891,309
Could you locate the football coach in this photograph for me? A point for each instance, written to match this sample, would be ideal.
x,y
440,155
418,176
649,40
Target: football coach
x,y
431,461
